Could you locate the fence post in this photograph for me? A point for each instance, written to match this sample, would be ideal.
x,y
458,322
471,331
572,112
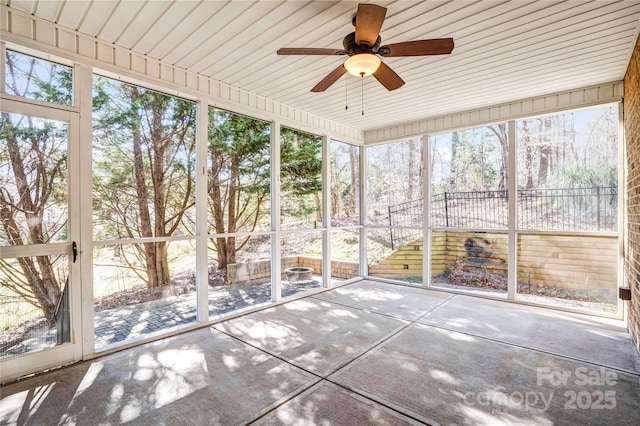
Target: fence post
x,y
598,204
390,227
446,210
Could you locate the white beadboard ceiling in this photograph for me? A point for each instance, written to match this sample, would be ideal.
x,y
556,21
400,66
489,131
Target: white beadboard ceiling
x,y
504,50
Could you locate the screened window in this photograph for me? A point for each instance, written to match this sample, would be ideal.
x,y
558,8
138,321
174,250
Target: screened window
x,y
35,78
395,177
345,184
469,173
567,209
568,171
144,194
300,179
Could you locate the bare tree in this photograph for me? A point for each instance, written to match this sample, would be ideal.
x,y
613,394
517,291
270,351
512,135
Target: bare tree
x,y
500,131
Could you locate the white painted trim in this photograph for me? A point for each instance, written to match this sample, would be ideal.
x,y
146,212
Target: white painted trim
x,y
8,97
546,104
83,98
202,242
19,105
76,215
426,217
276,239
512,191
30,362
364,266
3,58
326,211
51,249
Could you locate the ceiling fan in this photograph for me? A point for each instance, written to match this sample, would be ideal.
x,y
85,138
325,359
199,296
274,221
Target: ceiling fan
x,y
363,48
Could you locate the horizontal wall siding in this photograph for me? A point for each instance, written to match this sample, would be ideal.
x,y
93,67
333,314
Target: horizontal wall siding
x,y
34,33
579,98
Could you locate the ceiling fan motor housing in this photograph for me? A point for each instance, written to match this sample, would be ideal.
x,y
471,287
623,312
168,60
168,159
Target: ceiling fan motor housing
x,y
352,48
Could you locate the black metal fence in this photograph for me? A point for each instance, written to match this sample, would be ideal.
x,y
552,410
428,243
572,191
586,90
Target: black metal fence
x,y
569,209
473,209
408,214
561,209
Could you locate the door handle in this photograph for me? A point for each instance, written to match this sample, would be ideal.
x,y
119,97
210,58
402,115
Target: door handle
x,y
74,251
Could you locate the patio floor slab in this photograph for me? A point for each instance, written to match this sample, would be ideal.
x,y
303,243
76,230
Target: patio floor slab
x,y
382,298
195,378
313,334
328,404
442,376
584,337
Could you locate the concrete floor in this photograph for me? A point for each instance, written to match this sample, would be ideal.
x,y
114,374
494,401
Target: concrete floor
x,y
366,353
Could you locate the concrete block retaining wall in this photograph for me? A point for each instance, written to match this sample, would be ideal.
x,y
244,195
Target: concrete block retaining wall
x,y
260,270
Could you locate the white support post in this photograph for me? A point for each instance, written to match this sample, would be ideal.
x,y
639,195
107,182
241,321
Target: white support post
x,y
326,211
3,58
512,188
426,209
276,263
363,267
202,229
83,99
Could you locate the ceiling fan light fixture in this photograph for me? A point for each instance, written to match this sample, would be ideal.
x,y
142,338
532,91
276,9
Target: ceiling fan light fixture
x,y
362,64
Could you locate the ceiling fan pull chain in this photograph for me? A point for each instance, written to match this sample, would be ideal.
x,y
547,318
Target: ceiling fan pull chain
x,y
362,92
346,97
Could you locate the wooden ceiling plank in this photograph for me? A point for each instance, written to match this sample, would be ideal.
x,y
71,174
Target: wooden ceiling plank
x,y
29,6
172,38
71,13
227,19
46,9
96,17
119,20
164,25
242,41
143,21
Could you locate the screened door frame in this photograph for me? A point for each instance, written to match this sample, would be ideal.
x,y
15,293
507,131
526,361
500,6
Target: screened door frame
x,y
20,365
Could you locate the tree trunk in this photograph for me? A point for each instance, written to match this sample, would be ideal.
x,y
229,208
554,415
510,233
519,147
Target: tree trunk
x,y
316,197
453,179
412,171
355,181
215,200
501,133
528,159
232,219
545,152
146,229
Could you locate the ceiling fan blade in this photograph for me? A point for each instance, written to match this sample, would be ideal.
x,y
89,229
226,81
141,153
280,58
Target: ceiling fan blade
x,y
331,78
388,77
369,19
436,46
309,51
